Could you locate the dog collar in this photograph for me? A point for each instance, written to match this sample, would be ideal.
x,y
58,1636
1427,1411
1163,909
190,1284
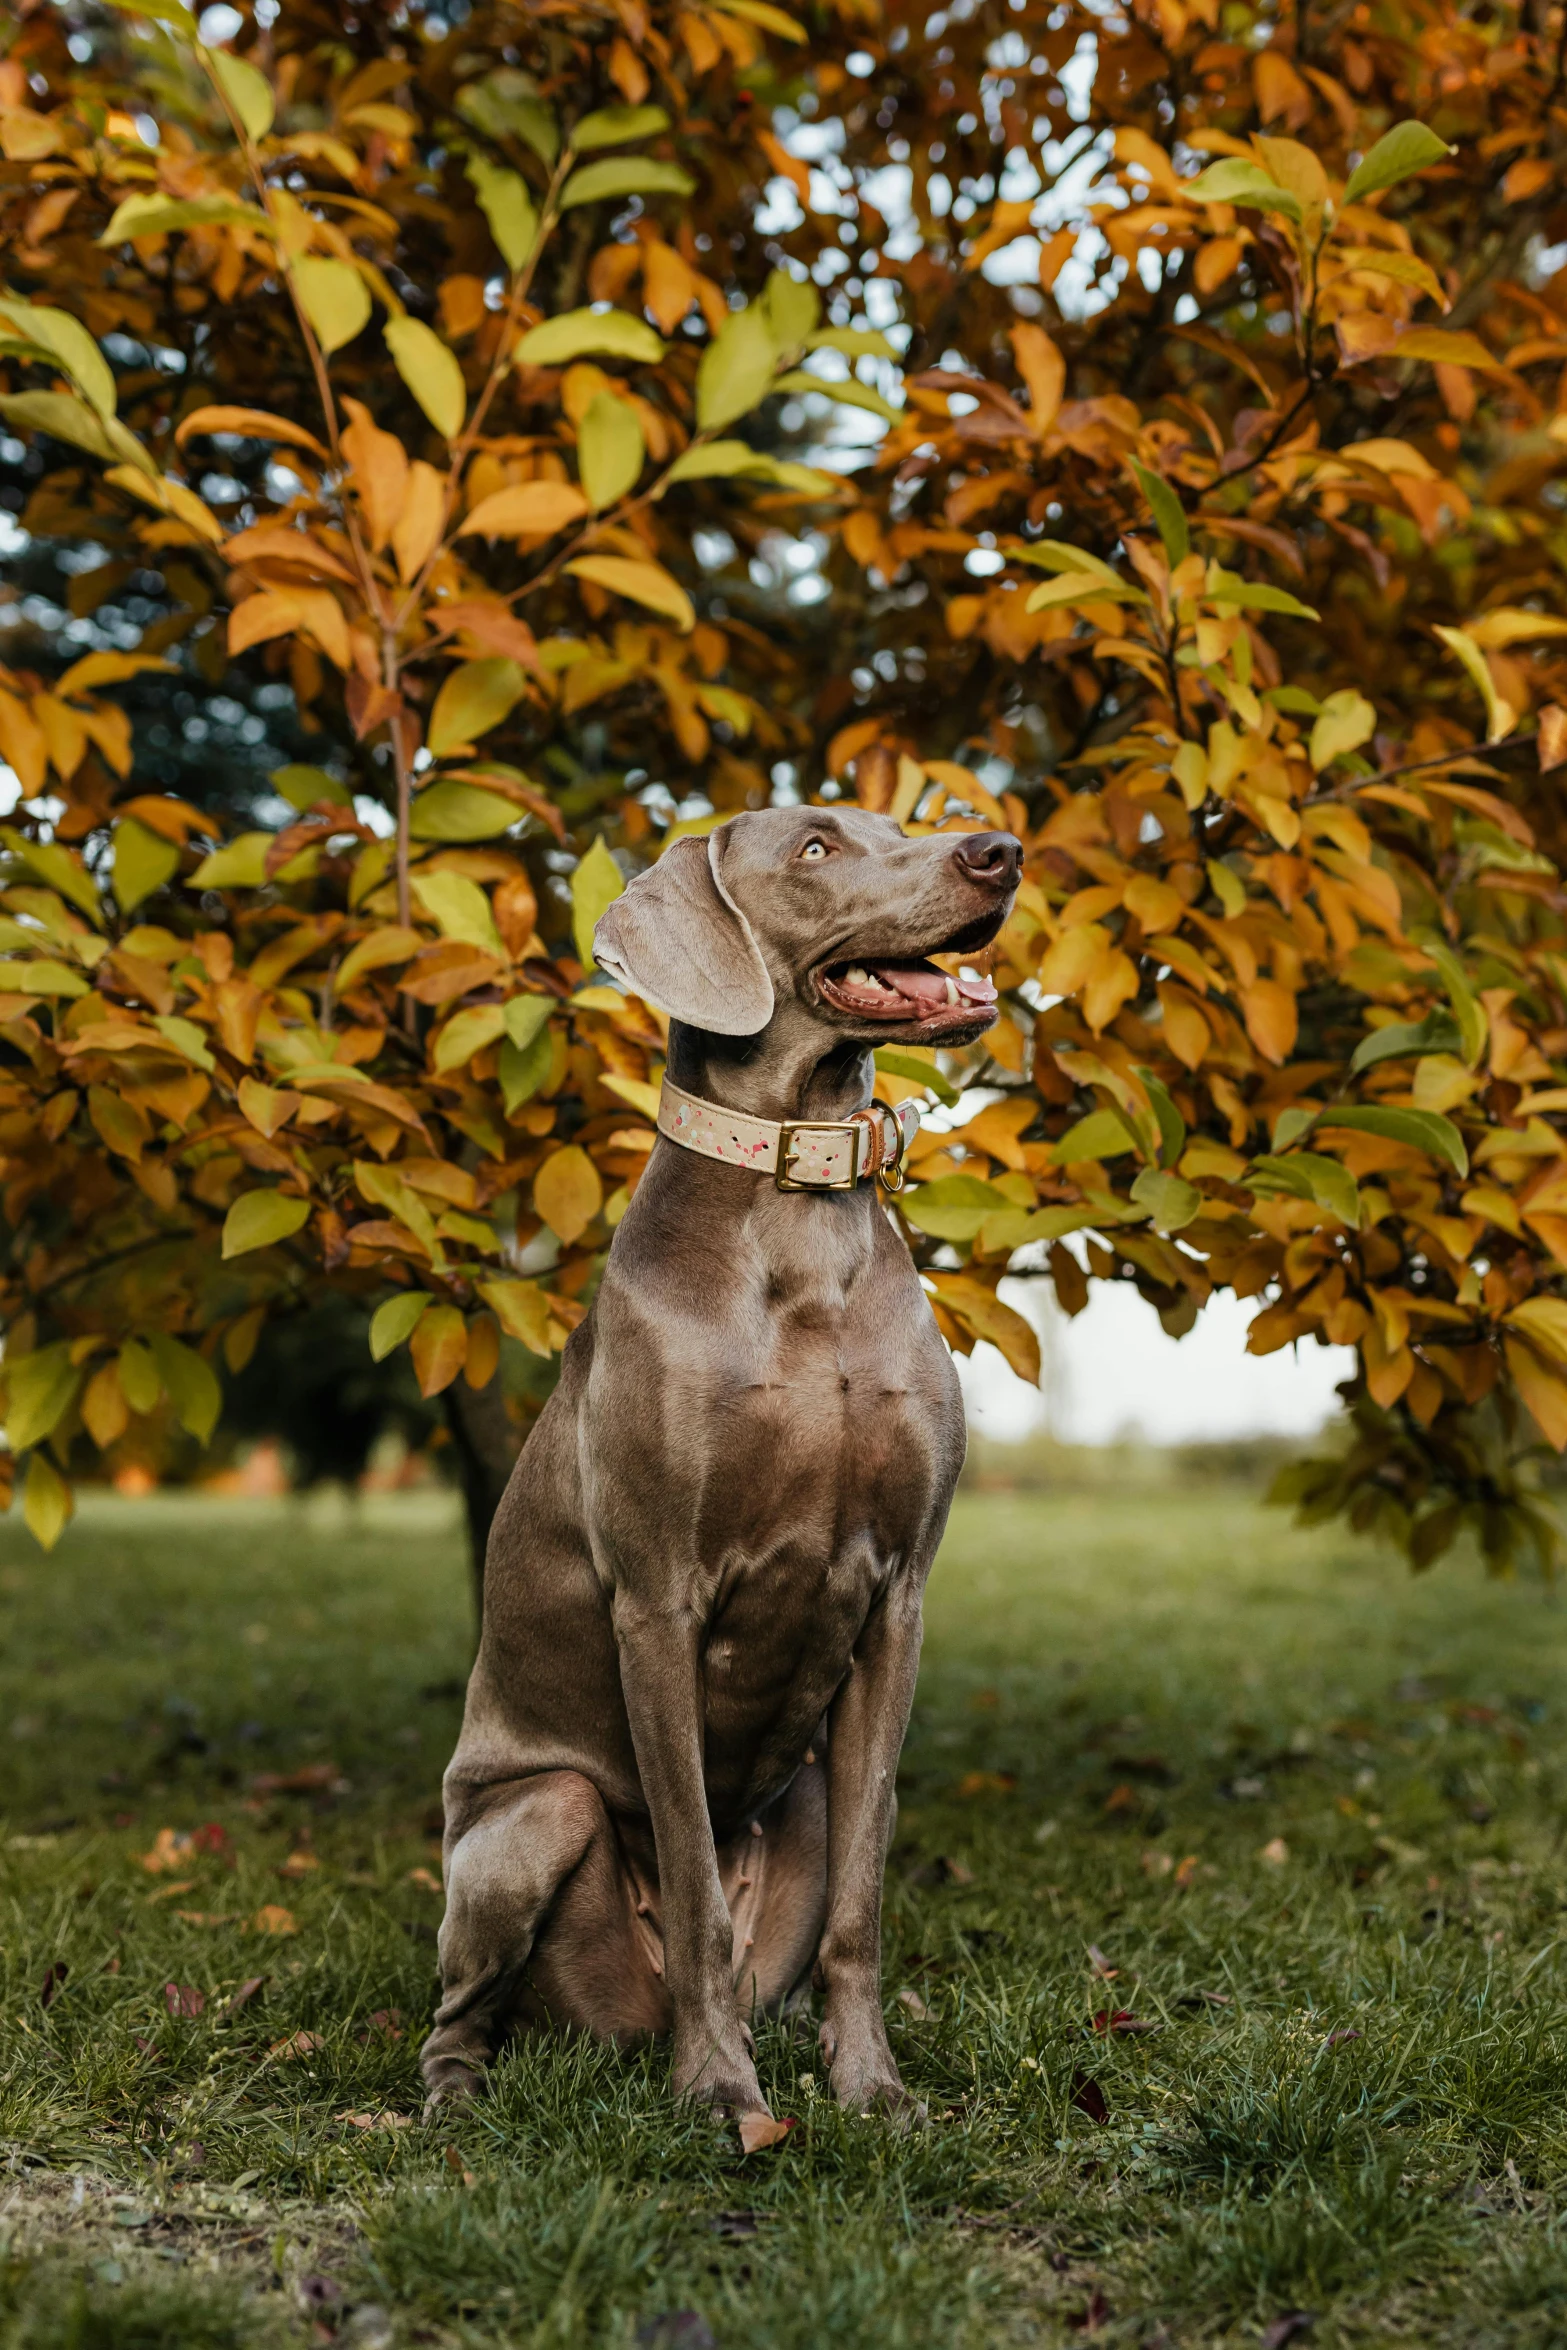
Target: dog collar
x,y
801,1154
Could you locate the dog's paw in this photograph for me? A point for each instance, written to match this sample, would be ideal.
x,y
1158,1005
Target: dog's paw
x,y
864,2078
448,2080
722,2077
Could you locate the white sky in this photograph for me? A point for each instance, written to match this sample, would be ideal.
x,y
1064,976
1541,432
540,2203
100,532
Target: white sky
x,y
1113,1369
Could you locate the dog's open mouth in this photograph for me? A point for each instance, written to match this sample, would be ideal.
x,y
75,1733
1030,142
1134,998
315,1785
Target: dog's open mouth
x,y
907,990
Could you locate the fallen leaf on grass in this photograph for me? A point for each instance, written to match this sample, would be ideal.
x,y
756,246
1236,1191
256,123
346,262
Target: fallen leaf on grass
x,y
953,1871
1157,1864
1186,1869
173,1892
987,1783
1100,1964
53,1979
375,2121
171,1849
272,1918
1275,1853
915,2005
1090,2319
1122,2022
294,2045
311,1779
454,2161
1217,1998
1089,2098
1286,2329
1122,1798
184,1999
425,1881
244,1994
387,2022
299,1864
1333,2039
759,2130
207,1917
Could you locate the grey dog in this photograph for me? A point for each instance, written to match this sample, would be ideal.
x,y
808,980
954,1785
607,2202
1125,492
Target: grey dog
x,y
672,1796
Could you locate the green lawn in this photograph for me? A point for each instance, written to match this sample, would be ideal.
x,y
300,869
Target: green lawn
x,y
1307,1811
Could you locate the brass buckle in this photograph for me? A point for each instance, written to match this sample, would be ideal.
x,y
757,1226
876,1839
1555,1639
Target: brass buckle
x,y
786,1134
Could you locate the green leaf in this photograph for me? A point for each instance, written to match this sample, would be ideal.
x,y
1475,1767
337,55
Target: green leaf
x,y
151,215
1056,555
792,306
610,451
1172,1126
69,344
46,1502
505,105
522,1072
430,371
40,975
1424,1130
1235,179
1103,1134
190,1381
459,909
303,787
395,1320
42,1386
1171,1201
240,864
258,1219
508,206
625,175
595,885
736,370
1437,1033
612,126
1229,592
143,862
1345,721
1168,513
953,1207
187,1039
165,12
1407,148
847,395
1308,1175
1474,1026
916,1072
527,1016
734,461
579,334
1500,715
467,1032
63,417
333,296
139,1380
56,868
461,812
855,342
473,699
248,92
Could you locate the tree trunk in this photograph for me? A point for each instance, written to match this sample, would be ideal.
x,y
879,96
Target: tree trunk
x,y
486,1445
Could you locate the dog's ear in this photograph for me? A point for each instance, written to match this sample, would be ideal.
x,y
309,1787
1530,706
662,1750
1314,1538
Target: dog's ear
x,y
676,936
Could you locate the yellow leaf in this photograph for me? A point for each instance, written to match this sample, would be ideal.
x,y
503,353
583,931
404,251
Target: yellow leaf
x,y
567,1193
528,509
467,1033
644,583
610,450
258,1219
418,527
473,699
522,1309
142,863
439,1347
334,297
1543,1390
47,1502
430,371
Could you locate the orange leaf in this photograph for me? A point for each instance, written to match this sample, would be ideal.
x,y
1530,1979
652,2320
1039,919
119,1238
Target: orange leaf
x,y
531,509
1272,1018
439,1347
567,1193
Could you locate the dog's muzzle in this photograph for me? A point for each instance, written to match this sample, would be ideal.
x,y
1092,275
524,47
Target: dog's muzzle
x,y
801,1154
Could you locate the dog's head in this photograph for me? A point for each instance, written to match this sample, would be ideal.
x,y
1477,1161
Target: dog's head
x,y
832,911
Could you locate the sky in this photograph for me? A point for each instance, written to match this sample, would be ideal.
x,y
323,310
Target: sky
x,y
1113,1370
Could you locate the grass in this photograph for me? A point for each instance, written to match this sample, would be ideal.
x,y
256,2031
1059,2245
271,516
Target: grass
x,y
1306,1810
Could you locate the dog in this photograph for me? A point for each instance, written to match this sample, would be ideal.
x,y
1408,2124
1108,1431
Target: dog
x,y
672,1796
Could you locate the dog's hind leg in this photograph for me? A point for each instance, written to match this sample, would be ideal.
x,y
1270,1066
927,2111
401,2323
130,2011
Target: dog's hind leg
x,y
504,1873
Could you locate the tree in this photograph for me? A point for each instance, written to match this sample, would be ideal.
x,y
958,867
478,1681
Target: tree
x,y
400,369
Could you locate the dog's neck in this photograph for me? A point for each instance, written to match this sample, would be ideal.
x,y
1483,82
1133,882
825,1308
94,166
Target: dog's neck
x,y
784,1072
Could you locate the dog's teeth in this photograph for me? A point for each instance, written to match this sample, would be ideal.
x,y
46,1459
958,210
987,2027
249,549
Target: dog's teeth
x,y
952,993
856,977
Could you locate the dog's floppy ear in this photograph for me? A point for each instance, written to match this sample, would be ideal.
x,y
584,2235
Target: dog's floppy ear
x,y
676,936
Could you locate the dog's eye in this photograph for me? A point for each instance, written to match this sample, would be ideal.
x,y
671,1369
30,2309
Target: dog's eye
x,y
814,848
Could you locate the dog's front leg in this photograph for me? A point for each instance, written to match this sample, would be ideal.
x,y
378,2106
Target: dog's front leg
x,y
865,1734
660,1672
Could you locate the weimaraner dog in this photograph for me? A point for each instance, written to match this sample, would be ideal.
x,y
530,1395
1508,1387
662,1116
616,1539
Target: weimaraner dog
x,y
672,1797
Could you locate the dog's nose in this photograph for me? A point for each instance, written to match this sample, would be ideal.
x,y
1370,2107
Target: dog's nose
x,y
992,858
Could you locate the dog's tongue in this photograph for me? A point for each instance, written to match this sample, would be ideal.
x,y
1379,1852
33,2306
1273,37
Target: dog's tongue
x,y
923,985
